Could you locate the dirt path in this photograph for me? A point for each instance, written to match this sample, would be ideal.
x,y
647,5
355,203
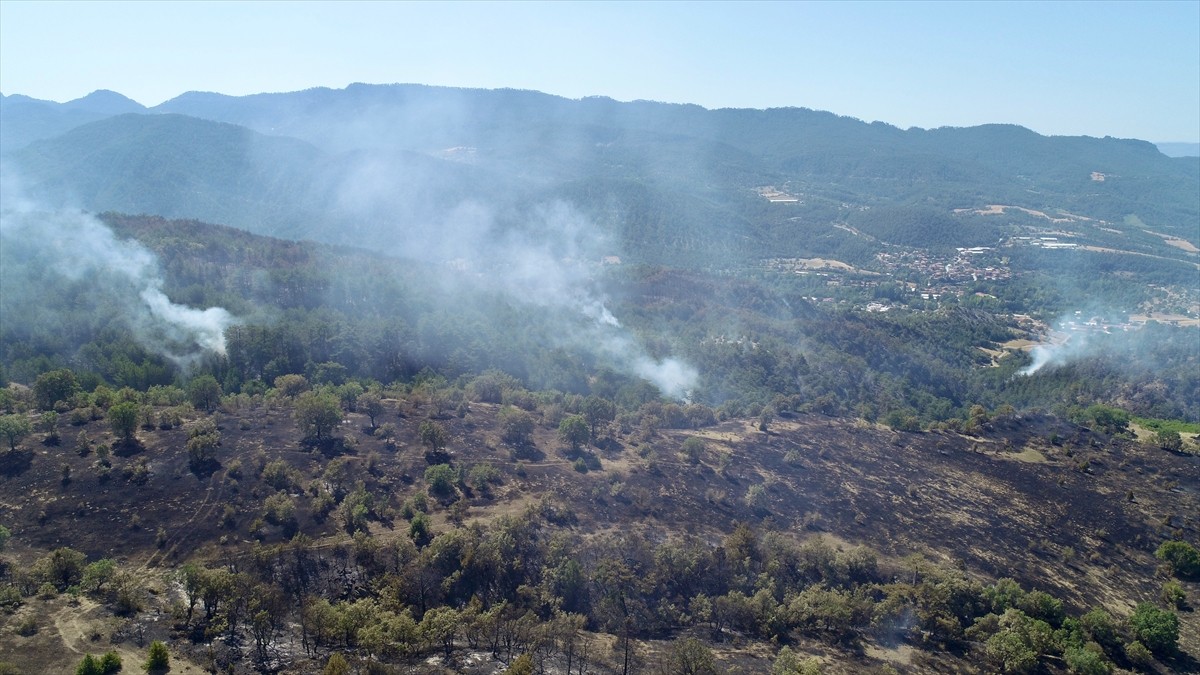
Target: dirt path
x,y
213,496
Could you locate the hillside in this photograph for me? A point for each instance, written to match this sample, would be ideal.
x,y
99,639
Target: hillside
x,y
494,382
1060,509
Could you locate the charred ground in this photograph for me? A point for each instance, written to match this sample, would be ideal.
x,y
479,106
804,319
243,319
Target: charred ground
x,y
1057,507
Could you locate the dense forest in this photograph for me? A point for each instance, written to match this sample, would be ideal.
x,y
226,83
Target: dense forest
x,y
757,340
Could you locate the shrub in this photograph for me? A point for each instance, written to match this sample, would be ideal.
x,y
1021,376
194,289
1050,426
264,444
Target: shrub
x,y
1183,558
482,475
157,657
105,665
693,449
88,666
1084,661
1155,628
1173,594
441,479
27,627
1138,655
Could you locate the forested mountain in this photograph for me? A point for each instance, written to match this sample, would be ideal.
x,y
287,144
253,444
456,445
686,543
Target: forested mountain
x,y
675,183
28,119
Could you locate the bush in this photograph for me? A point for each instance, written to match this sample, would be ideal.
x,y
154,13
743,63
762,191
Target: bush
x,y
1173,595
88,666
27,627
1155,628
105,665
482,475
441,479
1084,661
516,426
1138,655
110,662
158,659
693,449
1183,558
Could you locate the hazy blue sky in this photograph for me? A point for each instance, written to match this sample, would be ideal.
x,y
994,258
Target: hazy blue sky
x,y
1099,69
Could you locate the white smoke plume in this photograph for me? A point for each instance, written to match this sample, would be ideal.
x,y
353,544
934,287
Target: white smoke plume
x,y
1075,336
76,247
552,264
548,258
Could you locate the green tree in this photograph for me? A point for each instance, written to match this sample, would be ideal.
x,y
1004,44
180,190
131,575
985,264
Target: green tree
x,y
1020,642
432,436
48,424
1099,625
371,405
291,385
110,662
598,411
158,659
441,479
98,573
1169,440
482,475
62,567
318,414
54,386
419,529
1173,595
387,432
1183,558
14,428
329,372
516,426
204,392
123,419
788,663
1084,661
348,394
90,665
1156,628
203,441
574,431
1138,655
439,626
1111,420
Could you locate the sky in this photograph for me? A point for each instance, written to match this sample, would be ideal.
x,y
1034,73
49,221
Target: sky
x,y
1124,69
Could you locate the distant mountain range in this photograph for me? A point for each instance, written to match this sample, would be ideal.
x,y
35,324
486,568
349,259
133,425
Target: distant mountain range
x,y
373,165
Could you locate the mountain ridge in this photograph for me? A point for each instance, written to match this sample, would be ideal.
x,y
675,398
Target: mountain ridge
x,y
410,153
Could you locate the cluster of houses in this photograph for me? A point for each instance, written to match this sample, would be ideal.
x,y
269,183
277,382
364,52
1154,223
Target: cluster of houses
x,y
979,263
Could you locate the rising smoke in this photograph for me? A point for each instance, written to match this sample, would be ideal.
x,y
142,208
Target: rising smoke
x,y
41,247
1079,336
541,253
550,261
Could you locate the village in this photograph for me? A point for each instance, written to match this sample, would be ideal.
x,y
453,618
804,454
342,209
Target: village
x,y
918,279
